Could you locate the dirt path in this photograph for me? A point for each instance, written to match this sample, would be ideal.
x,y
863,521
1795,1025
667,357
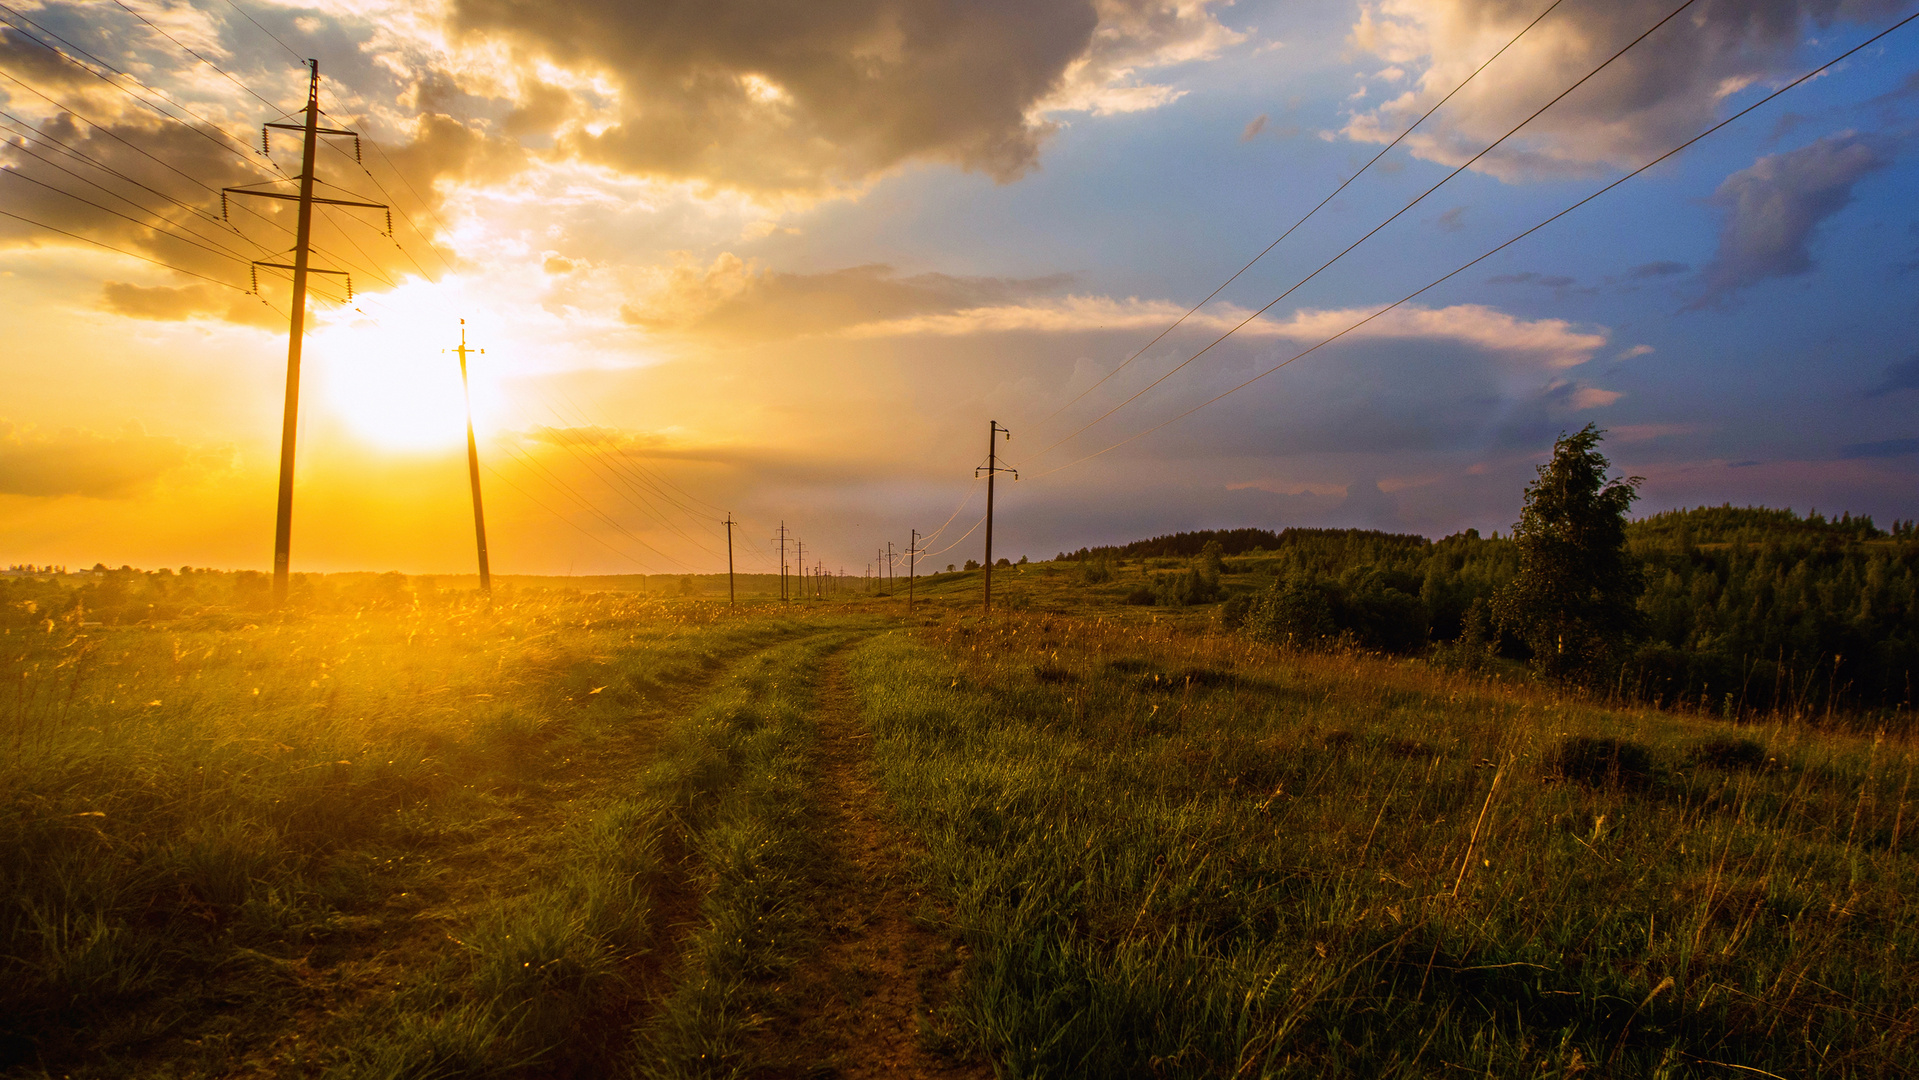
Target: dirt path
x,y
870,1003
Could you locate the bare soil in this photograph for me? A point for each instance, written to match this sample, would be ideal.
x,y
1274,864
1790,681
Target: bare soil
x,y
873,1001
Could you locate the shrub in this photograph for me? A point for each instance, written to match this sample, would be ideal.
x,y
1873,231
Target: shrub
x,y
1600,762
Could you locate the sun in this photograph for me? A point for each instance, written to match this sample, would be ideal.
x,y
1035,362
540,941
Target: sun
x,y
388,370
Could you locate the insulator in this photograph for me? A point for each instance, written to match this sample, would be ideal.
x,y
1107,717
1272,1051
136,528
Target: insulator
x,y
255,290
349,288
223,206
264,148
389,224
356,151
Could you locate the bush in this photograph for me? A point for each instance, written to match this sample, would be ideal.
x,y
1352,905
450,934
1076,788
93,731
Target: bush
x,y
1601,762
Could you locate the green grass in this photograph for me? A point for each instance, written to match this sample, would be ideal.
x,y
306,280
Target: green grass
x,y
213,838
1180,855
739,776
578,836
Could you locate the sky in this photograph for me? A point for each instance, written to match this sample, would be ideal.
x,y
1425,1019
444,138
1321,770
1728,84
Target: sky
x,y
785,262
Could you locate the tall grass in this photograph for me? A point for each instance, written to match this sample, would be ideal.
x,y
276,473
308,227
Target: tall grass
x,y
1182,855
200,819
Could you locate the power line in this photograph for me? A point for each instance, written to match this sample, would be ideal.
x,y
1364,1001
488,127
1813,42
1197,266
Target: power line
x,y
1462,268
297,58
120,250
163,163
18,175
1309,214
23,149
1375,229
246,157
189,51
37,135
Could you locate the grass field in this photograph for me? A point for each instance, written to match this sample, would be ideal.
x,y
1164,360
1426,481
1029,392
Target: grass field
x,y
612,835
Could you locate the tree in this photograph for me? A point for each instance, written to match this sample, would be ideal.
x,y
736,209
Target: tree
x,y
1573,600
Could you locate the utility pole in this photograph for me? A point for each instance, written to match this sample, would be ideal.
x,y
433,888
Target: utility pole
x,y
473,465
782,539
296,328
890,575
799,568
912,555
731,600
993,468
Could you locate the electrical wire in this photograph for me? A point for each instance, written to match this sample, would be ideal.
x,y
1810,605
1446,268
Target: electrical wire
x,y
297,58
1462,268
21,148
18,175
1309,214
245,154
1375,229
121,250
189,51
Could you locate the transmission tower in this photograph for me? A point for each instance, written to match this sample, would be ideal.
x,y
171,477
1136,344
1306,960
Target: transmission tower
x,y
302,236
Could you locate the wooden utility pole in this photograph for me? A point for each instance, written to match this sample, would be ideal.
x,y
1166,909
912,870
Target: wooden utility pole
x,y
473,465
912,554
799,567
890,574
311,131
782,539
731,600
992,469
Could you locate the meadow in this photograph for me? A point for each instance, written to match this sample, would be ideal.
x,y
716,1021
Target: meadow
x,y
396,831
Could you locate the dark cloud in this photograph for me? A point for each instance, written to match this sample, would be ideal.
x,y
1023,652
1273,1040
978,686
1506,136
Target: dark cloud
x,y
803,97
71,462
1528,277
1664,268
1662,91
1885,449
163,304
1903,375
1773,207
154,188
733,298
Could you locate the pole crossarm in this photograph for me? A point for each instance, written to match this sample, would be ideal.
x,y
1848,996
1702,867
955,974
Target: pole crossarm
x,y
316,131
317,199
290,266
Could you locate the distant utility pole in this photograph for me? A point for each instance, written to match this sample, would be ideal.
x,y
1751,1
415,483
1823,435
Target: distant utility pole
x,y
993,468
799,567
890,574
296,328
912,554
782,539
731,600
473,465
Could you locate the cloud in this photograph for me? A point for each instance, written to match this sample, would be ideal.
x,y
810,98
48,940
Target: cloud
x,y
1885,449
1656,269
1635,353
1550,343
152,188
735,298
811,98
73,462
1663,91
1253,128
1453,220
1529,277
163,304
1773,207
1903,375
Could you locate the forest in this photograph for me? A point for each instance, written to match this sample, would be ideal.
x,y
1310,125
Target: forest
x,y
1744,609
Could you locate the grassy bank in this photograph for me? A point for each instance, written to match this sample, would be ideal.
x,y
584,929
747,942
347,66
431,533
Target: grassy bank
x,y
1186,856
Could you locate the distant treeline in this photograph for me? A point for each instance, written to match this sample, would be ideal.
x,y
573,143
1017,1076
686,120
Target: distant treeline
x,y
1744,609
1234,542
